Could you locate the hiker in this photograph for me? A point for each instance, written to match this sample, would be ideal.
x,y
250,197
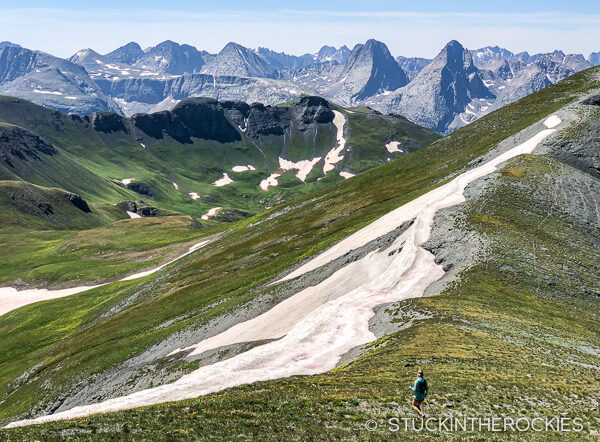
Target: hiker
x,y
420,388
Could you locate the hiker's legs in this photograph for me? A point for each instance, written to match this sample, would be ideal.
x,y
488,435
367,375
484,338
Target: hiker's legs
x,y
417,406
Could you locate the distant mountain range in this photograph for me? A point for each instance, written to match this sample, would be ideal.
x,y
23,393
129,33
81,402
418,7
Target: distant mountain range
x,y
443,94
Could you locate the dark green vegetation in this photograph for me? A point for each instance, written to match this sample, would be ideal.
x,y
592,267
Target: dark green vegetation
x,y
513,336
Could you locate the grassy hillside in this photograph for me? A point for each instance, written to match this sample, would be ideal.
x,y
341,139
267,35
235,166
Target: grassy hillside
x,y
496,338
93,162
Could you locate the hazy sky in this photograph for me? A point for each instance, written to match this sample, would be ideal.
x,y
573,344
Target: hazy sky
x,y
409,28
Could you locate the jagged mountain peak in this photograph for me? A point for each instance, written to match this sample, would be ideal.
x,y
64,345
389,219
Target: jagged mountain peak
x,y
235,59
371,69
128,54
442,90
491,52
331,54
8,44
171,58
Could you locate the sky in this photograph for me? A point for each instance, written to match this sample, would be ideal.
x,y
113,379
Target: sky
x,y
409,28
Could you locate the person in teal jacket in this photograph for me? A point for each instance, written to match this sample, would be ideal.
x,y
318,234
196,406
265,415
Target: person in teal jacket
x,y
420,389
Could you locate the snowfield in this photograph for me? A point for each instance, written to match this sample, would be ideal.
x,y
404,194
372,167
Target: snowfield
x,y
11,298
271,181
303,167
243,168
319,324
334,156
223,181
393,146
212,212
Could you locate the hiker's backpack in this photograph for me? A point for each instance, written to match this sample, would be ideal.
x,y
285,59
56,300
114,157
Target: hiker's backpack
x,y
422,387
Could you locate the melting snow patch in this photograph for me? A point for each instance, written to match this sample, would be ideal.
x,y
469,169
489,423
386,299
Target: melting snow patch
x,y
334,155
270,181
243,168
212,212
175,185
71,97
393,146
38,91
223,181
133,215
552,122
347,175
194,195
127,180
303,167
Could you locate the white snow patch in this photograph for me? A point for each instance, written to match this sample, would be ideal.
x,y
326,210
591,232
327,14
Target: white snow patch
x,y
312,329
243,168
133,215
127,180
175,185
347,175
223,181
303,167
39,91
334,155
194,195
393,146
271,181
552,121
12,298
212,212
71,97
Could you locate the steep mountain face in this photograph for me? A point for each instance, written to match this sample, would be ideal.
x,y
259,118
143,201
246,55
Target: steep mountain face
x,y
412,65
491,52
236,60
51,81
171,58
441,91
594,58
6,44
523,79
282,61
331,54
371,70
128,54
152,94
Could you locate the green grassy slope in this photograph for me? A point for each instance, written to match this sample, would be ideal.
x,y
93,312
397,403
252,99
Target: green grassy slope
x,y
92,163
460,332
49,242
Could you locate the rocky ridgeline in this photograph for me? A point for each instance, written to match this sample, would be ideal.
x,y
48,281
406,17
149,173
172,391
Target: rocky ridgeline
x,y
225,122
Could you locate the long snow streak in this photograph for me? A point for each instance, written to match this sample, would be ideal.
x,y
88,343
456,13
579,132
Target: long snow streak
x,y
318,325
11,298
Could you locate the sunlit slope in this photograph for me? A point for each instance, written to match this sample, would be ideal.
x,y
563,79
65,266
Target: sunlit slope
x,y
201,290
177,158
